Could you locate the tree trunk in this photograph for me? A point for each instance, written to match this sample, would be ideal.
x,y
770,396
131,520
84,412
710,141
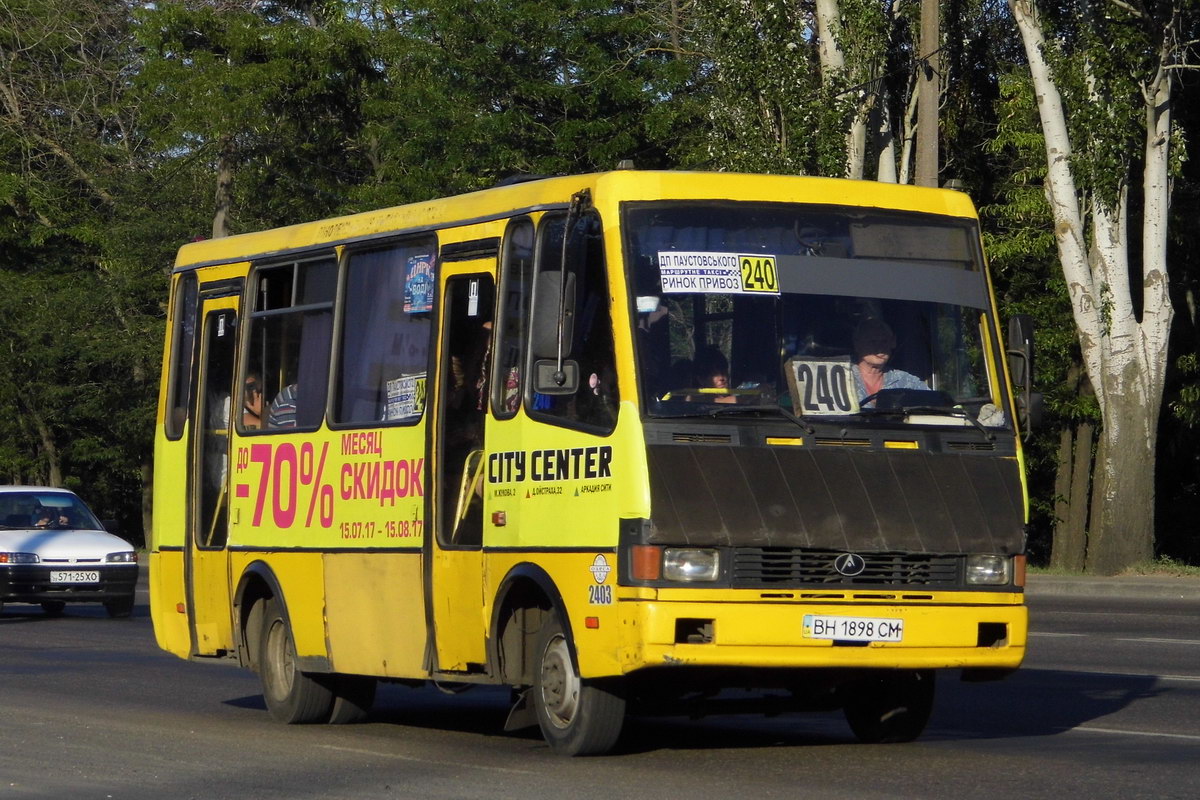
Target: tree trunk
x,y
224,195
929,92
1121,532
49,451
1123,342
1062,497
1074,540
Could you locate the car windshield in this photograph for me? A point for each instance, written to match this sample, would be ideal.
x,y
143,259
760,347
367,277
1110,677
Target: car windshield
x,y
37,509
810,311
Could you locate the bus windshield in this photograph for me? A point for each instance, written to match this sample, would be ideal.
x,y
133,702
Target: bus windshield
x,y
812,311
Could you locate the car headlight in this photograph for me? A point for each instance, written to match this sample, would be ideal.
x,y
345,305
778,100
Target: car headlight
x,y
691,564
125,557
19,558
989,570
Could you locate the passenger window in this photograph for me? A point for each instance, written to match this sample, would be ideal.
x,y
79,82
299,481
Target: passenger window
x,y
288,356
384,352
183,342
594,405
516,285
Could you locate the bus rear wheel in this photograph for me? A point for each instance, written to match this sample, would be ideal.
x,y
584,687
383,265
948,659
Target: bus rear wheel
x,y
893,706
292,696
577,717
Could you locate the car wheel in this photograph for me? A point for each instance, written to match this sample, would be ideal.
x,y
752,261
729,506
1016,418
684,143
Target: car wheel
x,y
577,717
53,608
292,696
893,706
120,607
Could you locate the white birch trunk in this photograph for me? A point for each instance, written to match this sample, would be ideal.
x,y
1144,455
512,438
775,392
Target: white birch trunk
x,y
1125,359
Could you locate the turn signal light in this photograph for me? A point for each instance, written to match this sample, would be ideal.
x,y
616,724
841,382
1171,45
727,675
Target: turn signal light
x,y
647,562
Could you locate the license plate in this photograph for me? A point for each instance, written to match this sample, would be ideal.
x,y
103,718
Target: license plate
x,y
75,576
853,629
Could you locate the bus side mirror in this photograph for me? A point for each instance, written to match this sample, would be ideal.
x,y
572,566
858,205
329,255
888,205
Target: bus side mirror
x,y
1020,367
548,295
547,379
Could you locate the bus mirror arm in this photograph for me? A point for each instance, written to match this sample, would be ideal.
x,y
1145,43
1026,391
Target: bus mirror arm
x,y
579,201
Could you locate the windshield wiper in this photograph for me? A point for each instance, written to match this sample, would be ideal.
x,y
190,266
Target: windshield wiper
x,y
948,411
787,413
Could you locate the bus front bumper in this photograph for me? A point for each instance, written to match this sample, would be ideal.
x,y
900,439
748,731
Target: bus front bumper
x,y
935,635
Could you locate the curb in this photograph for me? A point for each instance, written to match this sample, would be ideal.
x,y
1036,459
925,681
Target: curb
x,y
1132,586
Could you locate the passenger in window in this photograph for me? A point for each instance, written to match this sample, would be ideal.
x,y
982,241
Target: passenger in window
x,y
252,402
874,342
282,413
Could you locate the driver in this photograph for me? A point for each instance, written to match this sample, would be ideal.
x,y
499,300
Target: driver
x,y
48,518
874,342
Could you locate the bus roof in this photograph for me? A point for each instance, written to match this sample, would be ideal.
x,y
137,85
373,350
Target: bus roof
x,y
552,193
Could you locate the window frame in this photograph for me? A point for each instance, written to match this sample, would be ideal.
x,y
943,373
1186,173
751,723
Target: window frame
x,y
338,334
252,316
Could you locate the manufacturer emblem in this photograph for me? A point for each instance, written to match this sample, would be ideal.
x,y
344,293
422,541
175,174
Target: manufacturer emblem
x,y
600,568
850,564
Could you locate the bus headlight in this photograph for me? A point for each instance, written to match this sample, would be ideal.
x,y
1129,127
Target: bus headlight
x,y
691,564
988,570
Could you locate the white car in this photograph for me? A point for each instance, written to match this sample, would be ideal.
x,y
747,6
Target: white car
x,y
54,551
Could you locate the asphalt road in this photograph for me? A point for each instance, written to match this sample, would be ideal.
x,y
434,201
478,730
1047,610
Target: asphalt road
x,y
1108,705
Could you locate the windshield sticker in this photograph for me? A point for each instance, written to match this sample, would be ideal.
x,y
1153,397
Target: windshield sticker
x,y
717,273
822,386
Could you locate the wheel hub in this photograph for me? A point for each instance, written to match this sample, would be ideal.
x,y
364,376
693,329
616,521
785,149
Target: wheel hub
x,y
559,684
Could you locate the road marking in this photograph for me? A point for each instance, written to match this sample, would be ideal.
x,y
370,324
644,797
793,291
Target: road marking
x,y
1119,732
399,757
1142,639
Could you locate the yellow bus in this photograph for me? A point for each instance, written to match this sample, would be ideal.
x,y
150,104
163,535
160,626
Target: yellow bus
x,y
618,441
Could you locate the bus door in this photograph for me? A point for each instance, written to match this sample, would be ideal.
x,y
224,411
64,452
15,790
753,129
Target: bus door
x,y
207,559
457,559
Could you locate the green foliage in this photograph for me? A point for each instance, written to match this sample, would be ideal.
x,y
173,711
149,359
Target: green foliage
x,y
119,114
766,107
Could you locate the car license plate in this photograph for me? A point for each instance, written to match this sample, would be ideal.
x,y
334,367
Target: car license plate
x,y
853,629
75,576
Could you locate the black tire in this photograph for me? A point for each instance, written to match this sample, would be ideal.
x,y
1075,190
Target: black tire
x,y
120,607
577,717
352,698
53,608
893,706
292,697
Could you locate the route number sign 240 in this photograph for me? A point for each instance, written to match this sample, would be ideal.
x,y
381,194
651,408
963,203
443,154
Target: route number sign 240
x,y
822,385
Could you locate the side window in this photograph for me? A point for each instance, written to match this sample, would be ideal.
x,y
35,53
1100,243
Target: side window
x,y
183,342
385,334
595,403
287,364
516,285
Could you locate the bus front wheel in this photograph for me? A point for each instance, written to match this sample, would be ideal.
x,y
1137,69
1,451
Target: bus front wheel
x,y
291,696
893,706
577,717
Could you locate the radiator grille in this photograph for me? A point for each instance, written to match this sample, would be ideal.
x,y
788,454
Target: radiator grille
x,y
777,567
